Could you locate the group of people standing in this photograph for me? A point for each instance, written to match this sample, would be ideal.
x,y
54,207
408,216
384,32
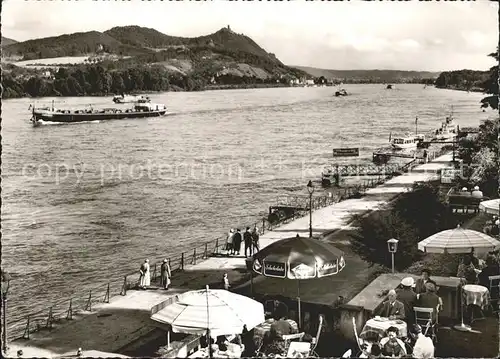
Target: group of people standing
x,y
145,275
250,240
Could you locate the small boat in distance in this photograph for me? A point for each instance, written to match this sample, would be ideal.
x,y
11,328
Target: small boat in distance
x,y
390,87
129,98
140,110
341,92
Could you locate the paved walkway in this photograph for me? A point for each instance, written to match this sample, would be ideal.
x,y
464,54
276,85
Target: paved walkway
x,y
126,318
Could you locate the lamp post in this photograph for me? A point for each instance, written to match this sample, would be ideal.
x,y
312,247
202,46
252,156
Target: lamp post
x,y
310,189
392,245
5,290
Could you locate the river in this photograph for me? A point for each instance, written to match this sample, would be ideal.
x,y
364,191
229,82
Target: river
x,y
86,203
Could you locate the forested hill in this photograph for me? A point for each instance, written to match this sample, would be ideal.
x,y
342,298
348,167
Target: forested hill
x,y
466,80
367,76
224,47
6,41
157,62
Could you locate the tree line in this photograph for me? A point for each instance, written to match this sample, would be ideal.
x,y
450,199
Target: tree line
x,y
96,80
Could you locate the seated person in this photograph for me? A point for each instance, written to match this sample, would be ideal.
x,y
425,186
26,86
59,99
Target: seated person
x,y
392,308
391,345
423,347
222,343
491,269
375,351
467,271
281,327
204,341
430,299
420,283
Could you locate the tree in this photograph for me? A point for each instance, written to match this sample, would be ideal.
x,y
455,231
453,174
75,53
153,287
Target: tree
x,y
490,86
414,216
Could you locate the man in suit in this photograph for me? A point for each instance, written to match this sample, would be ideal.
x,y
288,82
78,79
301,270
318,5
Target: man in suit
x,y
392,308
420,284
407,296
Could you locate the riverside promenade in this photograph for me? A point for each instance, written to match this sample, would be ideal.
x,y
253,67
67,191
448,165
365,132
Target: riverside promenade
x,y
113,326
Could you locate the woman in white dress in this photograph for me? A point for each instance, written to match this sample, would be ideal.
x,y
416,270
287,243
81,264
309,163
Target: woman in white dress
x,y
145,280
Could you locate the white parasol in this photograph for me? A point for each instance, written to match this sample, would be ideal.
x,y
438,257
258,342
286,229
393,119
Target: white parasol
x,y
458,240
492,206
218,310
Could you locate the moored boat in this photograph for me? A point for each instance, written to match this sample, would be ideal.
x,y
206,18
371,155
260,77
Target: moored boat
x,y
140,110
129,98
405,142
390,87
448,131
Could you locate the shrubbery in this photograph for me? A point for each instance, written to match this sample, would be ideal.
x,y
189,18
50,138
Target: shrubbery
x,y
413,217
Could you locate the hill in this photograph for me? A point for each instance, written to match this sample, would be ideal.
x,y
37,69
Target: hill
x,y
135,59
223,53
385,76
77,44
6,41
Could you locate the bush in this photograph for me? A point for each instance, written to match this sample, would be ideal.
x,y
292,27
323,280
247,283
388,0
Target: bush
x,y
413,217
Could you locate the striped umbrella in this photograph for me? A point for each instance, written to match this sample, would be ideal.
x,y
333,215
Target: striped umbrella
x,y
217,310
458,240
491,206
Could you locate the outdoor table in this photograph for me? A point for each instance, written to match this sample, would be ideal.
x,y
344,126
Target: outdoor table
x,y
476,295
380,325
261,329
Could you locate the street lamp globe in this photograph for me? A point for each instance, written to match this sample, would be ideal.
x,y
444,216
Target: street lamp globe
x,y
392,245
310,187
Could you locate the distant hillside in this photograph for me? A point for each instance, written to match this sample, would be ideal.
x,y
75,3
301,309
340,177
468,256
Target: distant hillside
x,y
394,76
223,53
134,59
77,44
6,41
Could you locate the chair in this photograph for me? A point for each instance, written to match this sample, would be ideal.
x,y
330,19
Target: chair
x,y
347,354
494,289
290,337
363,353
423,317
315,342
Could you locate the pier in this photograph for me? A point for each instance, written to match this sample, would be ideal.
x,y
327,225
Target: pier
x,y
117,317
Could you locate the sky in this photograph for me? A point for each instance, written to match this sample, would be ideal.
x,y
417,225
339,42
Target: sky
x,y
425,36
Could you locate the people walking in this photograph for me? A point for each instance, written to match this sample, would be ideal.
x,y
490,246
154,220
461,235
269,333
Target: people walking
x,y
145,278
426,156
165,274
229,242
255,239
247,237
237,242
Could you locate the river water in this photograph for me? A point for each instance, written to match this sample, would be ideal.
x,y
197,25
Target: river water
x,y
86,203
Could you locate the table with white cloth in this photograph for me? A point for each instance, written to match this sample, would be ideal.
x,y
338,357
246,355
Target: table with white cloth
x,y
476,295
380,325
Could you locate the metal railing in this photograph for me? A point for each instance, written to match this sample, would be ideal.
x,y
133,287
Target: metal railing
x,y
85,302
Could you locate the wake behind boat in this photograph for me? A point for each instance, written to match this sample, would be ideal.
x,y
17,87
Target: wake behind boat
x,y
140,110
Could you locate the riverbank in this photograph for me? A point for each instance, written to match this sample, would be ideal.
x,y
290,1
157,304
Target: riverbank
x,y
112,326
